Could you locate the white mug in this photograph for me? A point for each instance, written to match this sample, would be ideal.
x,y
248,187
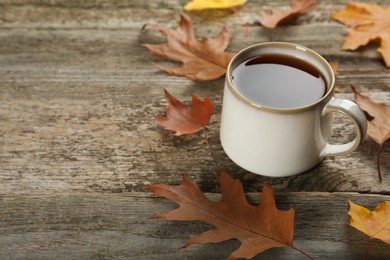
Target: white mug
x,y
277,141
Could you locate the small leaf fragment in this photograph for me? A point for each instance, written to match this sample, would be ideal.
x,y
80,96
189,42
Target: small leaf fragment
x,y
378,121
281,16
379,125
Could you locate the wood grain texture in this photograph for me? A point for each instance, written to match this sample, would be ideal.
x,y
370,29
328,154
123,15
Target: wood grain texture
x,y
78,101
118,226
78,140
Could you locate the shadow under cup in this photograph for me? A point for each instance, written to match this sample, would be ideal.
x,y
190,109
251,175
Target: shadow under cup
x,y
276,118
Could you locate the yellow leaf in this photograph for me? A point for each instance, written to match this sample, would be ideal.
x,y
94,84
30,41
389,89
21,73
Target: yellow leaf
x,y
211,4
375,224
369,22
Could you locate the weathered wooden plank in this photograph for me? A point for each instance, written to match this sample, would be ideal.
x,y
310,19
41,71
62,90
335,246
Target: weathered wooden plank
x,y
77,101
56,144
97,226
116,14
116,57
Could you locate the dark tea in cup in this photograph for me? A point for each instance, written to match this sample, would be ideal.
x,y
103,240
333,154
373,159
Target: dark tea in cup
x,y
279,81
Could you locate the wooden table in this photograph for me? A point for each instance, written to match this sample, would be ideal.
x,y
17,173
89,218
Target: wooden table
x,y
78,140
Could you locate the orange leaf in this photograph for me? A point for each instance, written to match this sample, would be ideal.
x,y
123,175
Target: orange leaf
x,y
202,61
280,16
259,227
375,224
378,121
369,22
335,67
184,120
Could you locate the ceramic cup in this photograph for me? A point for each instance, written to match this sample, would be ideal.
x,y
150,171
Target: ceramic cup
x,y
278,142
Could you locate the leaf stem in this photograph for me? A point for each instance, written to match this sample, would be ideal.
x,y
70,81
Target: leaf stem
x,y
244,23
302,252
378,162
367,249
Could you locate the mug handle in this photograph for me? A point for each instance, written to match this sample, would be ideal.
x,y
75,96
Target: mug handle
x,y
356,115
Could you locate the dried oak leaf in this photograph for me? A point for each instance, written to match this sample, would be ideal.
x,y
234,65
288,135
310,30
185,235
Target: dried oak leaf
x,y
259,227
375,224
280,16
202,61
378,121
183,119
369,22
212,4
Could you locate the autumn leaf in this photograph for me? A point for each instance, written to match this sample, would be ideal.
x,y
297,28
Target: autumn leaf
x,y
281,16
212,4
378,121
369,22
202,61
184,120
259,227
218,4
375,224
335,66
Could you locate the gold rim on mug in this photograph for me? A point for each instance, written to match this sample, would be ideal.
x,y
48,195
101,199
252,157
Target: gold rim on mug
x,y
245,54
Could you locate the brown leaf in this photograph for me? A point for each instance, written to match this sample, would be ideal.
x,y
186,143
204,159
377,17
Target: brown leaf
x,y
184,120
280,16
369,22
259,227
378,120
335,66
202,61
379,126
